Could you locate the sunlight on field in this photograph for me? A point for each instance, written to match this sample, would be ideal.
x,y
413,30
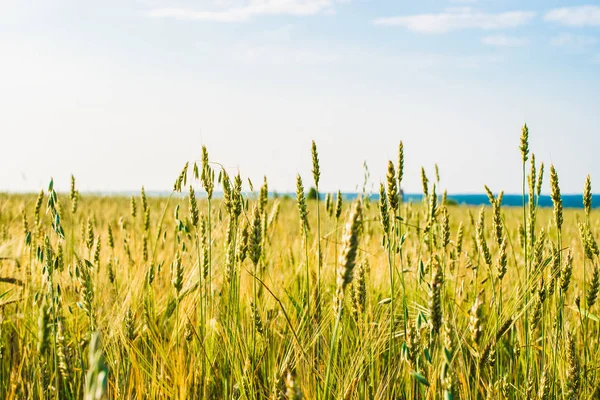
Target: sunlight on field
x,y
250,296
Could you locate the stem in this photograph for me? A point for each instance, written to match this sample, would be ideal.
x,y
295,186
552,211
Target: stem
x,y
56,374
332,351
318,305
526,322
307,272
392,312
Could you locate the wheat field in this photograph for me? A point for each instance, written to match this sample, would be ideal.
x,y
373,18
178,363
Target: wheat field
x,y
246,296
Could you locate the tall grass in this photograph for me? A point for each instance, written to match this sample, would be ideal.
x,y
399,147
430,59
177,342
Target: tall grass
x,y
203,296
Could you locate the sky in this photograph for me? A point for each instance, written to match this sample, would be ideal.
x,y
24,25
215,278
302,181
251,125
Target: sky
x,y
122,93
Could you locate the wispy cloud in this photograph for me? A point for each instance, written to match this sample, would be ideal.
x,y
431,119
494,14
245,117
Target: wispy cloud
x,y
247,10
575,16
422,61
271,54
504,41
458,19
574,42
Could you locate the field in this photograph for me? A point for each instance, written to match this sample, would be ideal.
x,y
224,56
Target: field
x,y
249,296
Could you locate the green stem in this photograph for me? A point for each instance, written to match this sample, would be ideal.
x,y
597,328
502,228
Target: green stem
x,y
332,352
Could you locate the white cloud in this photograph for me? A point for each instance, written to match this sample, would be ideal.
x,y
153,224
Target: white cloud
x,y
575,16
445,61
280,55
458,19
574,42
504,41
247,10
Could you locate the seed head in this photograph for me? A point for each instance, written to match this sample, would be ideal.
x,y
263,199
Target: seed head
x,y
144,200
38,207
475,322
328,204
263,197
524,147
338,205
315,162
445,227
400,164
177,272
425,182
347,259
502,259
566,272
194,214
350,243
540,180
302,209
207,176
481,242
255,242
133,207
587,195
392,187
435,300
556,197
459,238
359,293
384,212
592,293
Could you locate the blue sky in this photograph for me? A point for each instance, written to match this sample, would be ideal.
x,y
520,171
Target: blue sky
x,y
123,93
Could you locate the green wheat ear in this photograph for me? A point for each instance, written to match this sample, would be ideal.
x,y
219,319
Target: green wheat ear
x,y
592,293
350,246
435,301
302,208
424,182
338,205
524,147
255,243
316,171
400,164
481,241
587,195
193,208
392,189
556,197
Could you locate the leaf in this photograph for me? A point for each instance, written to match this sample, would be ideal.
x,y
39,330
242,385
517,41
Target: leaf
x,y
294,303
427,355
586,314
420,378
421,319
448,355
5,293
404,351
